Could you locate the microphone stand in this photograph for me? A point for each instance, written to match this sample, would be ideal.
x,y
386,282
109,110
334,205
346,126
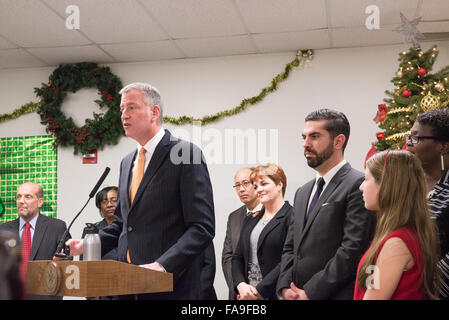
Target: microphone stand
x,y
65,254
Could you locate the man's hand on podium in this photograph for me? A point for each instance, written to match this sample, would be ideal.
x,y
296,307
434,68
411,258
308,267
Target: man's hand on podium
x,y
76,246
153,266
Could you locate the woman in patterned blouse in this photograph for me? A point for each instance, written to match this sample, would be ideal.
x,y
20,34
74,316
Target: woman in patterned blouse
x,y
429,141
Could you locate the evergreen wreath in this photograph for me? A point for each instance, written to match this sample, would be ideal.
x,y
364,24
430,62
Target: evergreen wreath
x,y
104,129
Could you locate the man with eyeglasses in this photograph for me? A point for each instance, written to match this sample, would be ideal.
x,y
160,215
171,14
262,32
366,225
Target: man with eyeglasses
x,y
106,201
248,196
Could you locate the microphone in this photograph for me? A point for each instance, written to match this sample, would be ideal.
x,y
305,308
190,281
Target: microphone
x,y
100,181
61,244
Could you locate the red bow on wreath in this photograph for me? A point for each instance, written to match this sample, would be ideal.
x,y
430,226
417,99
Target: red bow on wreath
x,y
381,113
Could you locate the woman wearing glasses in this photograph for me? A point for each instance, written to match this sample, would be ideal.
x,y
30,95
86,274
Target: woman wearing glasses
x,y
429,141
105,201
256,261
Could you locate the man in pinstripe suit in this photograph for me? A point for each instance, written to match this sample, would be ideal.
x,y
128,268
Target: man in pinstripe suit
x,y
168,221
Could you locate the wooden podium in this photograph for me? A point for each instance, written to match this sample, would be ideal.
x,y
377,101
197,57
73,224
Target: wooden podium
x,y
94,278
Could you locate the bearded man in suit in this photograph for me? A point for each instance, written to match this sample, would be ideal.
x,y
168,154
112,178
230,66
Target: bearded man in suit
x,y
331,228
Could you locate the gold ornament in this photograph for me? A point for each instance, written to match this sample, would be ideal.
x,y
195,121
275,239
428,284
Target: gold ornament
x,y
430,102
439,87
396,136
397,110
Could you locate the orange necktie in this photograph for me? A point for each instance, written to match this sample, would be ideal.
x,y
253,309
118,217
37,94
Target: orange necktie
x,y
137,178
138,175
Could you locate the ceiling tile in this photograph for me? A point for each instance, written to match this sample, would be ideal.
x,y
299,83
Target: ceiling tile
x,y
18,58
434,26
112,21
32,24
281,16
435,10
196,18
292,41
212,47
129,52
362,37
5,44
351,13
55,56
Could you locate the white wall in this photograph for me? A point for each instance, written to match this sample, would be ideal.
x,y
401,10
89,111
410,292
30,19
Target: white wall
x,y
350,80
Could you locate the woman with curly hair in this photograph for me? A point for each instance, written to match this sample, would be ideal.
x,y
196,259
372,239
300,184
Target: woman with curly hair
x,y
429,141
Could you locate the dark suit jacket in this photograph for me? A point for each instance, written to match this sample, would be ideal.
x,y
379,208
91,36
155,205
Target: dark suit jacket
x,y
269,250
207,275
171,220
321,256
231,240
46,237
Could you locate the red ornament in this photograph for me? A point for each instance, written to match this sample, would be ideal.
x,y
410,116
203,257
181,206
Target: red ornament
x,y
406,93
380,135
370,153
422,72
381,113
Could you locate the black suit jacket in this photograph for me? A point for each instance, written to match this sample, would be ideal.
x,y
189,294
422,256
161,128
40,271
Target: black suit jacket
x,y
269,250
171,220
207,274
46,237
321,256
234,225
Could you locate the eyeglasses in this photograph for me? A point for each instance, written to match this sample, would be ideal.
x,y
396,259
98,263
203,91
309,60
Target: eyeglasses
x,y
245,184
107,201
417,139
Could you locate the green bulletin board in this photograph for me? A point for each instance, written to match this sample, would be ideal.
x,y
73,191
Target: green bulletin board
x,y
25,159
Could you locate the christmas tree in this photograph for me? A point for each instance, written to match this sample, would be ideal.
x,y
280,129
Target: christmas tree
x,y
416,90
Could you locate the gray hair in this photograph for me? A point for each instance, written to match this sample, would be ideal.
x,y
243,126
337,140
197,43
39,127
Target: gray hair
x,y
151,95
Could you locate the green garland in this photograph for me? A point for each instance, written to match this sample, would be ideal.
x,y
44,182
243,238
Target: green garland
x,y
243,105
103,129
106,129
25,109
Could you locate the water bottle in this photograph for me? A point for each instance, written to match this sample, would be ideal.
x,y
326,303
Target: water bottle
x,y
91,243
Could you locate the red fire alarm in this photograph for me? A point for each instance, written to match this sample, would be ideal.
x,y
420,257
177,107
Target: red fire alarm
x,y
91,157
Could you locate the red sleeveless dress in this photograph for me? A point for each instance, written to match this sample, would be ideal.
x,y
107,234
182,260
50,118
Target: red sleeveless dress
x,y
410,287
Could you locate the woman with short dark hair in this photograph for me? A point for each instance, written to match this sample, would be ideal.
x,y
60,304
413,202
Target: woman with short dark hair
x,y
429,141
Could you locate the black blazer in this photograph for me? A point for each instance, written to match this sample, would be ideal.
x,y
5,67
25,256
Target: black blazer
x,y
46,237
269,250
321,256
171,220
